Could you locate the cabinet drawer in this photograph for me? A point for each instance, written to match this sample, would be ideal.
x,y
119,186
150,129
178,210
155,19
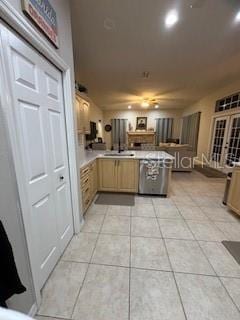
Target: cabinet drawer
x,y
85,181
84,171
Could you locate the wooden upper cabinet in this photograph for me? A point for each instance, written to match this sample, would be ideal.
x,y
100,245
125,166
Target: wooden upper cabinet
x,y
118,175
86,107
234,192
82,109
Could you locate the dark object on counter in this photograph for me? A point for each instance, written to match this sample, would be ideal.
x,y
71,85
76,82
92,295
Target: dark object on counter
x,y
233,248
10,282
108,127
227,187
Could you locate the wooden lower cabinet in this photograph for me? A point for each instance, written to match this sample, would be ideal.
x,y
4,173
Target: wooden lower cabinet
x,y
118,175
107,172
93,178
88,176
234,192
108,175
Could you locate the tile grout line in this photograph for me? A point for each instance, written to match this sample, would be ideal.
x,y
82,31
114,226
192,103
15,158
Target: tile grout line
x,y
155,270
164,243
216,275
153,237
219,277
89,264
222,283
130,270
47,317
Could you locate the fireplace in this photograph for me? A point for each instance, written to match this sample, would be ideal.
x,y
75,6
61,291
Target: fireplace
x,y
137,138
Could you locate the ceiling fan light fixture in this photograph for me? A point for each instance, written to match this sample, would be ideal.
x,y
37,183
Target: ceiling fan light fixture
x,y
145,104
237,17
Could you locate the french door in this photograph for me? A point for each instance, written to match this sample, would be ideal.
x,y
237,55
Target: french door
x,y
226,142
233,141
38,108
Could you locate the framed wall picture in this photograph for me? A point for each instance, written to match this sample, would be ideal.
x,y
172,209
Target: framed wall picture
x,y
141,123
44,16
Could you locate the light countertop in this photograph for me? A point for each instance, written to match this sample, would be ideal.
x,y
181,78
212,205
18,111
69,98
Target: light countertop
x,y
88,156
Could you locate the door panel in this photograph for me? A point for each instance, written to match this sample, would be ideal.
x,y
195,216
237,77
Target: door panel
x,y
127,175
107,175
33,140
45,235
233,146
37,94
25,71
55,126
219,141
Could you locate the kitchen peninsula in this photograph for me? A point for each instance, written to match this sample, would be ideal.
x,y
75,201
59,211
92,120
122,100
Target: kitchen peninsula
x,y
110,171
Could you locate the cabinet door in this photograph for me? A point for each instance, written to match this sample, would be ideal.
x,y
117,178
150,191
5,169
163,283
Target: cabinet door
x,y
107,174
93,178
234,192
127,175
86,117
80,115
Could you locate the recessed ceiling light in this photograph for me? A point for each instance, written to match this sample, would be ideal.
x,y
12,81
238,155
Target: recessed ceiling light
x,y
156,106
171,18
237,17
129,107
109,24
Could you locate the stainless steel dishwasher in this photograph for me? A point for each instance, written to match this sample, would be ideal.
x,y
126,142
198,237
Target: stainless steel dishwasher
x,y
154,176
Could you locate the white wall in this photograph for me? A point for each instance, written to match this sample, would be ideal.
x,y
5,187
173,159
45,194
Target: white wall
x,y
207,107
131,115
10,210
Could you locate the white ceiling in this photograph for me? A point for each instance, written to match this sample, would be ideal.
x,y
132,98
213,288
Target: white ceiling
x,y
115,41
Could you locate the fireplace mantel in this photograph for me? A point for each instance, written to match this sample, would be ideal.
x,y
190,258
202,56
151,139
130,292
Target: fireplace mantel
x,y
141,133
141,137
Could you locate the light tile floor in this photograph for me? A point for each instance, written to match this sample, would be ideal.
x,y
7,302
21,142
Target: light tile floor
x,y
161,259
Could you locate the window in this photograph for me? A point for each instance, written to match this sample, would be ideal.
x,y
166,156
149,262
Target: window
x,y
228,103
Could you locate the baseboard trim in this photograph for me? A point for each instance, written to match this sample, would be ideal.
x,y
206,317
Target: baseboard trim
x,y
32,312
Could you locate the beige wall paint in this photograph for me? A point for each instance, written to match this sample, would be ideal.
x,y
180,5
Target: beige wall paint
x,y
131,115
207,107
95,115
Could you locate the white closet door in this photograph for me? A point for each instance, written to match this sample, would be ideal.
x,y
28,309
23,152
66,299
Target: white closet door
x,y
37,91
